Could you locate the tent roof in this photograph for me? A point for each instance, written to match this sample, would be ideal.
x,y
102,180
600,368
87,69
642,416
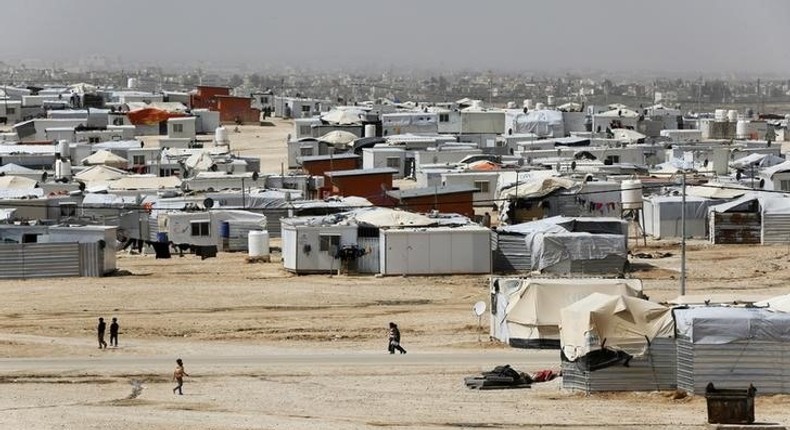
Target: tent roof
x,y
779,168
715,190
537,188
343,116
144,182
618,113
617,322
17,182
385,217
103,156
12,168
100,173
338,137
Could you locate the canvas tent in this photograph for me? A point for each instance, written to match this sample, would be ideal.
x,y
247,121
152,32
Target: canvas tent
x,y
107,158
525,313
617,343
620,323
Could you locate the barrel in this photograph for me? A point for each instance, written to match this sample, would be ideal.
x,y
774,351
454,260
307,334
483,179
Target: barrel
x,y
224,229
258,243
162,237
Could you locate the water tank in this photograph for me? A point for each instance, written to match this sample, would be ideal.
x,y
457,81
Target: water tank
x,y
742,129
258,243
476,105
732,115
720,115
65,169
631,194
511,105
221,136
528,103
131,83
370,130
58,169
540,106
224,229
63,149
550,100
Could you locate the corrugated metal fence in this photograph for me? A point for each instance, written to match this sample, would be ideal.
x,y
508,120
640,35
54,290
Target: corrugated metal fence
x,y
50,260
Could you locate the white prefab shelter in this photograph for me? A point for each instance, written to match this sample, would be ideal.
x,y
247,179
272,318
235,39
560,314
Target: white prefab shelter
x,y
733,347
313,248
435,251
525,313
204,228
373,158
663,216
104,235
542,123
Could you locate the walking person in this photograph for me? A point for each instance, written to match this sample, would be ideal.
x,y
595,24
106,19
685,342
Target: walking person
x,y
394,339
114,332
100,329
178,376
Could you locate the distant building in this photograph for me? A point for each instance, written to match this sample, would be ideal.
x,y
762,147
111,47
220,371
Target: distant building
x,y
231,108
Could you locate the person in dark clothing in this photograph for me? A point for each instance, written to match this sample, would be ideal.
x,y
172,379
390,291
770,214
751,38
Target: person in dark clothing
x,y
100,329
394,340
114,332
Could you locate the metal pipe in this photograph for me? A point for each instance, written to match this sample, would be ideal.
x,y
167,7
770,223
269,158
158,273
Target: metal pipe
x,y
683,237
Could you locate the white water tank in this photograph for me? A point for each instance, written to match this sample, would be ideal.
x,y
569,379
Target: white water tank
x,y
540,106
370,130
63,149
58,168
62,169
528,103
476,105
221,136
550,100
742,129
720,115
511,105
631,194
258,243
131,83
732,115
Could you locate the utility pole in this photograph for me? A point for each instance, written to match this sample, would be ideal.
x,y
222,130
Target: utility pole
x,y
683,237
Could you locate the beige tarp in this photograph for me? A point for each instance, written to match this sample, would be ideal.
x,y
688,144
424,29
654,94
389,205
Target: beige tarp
x,y
536,188
338,137
199,161
17,182
144,182
533,308
384,217
343,117
613,321
99,174
714,190
106,158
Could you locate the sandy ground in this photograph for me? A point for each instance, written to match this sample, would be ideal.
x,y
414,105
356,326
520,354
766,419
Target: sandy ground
x,y
269,350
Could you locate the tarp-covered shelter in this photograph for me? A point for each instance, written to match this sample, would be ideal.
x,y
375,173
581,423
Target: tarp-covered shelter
x,y
753,218
17,182
107,158
620,323
563,245
617,343
733,347
542,123
525,313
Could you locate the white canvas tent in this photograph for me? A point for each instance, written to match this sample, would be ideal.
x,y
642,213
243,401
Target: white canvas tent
x,y
543,123
620,323
525,313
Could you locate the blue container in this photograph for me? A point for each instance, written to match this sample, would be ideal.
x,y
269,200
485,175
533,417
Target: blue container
x,y
224,229
161,237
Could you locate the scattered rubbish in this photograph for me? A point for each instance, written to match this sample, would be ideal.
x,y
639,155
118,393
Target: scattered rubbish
x,y
646,255
500,378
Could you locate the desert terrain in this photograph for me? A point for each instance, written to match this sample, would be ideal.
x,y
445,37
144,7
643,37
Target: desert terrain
x,y
269,350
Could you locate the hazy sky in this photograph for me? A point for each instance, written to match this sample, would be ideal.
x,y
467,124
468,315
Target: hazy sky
x,y
708,36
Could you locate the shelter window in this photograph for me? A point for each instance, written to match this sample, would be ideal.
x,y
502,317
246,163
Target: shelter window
x,y
10,111
444,117
94,139
306,108
393,162
178,128
264,100
200,228
304,130
138,159
329,242
612,159
784,184
482,186
306,152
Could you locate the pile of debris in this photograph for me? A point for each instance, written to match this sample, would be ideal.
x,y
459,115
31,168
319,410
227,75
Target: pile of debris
x,y
500,378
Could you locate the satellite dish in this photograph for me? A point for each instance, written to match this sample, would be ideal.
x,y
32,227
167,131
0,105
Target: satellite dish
x,y
479,308
208,203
